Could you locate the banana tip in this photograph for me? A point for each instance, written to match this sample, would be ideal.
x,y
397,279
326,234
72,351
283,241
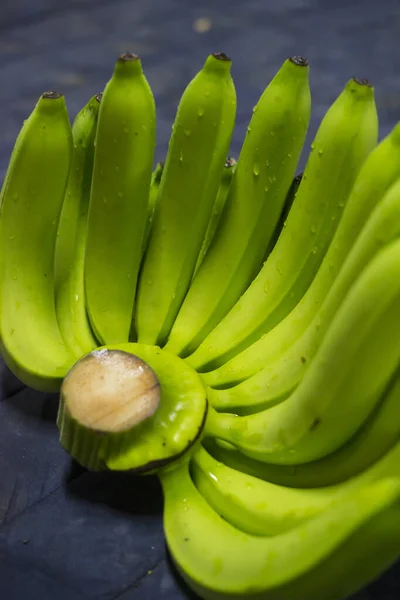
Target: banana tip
x,y
221,56
300,61
98,97
128,57
362,82
51,95
230,162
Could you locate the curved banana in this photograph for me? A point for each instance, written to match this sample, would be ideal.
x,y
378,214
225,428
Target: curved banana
x,y
11,162
379,434
262,508
279,378
378,173
30,340
124,150
263,175
359,354
223,190
92,243
195,160
329,556
71,237
346,136
131,407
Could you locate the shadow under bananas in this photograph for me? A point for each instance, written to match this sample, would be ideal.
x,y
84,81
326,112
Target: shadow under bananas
x,y
33,404
10,385
120,491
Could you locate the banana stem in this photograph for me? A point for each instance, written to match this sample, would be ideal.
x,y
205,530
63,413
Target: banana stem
x,y
106,393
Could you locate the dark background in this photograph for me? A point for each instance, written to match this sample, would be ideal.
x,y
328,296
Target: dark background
x,y
66,534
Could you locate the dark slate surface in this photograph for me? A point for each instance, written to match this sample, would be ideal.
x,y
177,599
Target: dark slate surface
x,y
65,533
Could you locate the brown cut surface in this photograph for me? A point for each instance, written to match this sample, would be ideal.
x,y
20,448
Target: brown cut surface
x,y
111,391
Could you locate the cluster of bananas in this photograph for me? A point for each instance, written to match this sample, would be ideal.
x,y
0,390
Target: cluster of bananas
x,y
229,326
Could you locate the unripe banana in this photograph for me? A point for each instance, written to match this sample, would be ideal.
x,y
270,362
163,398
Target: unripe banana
x,y
330,556
30,339
124,151
279,378
379,434
71,237
223,190
380,170
262,508
263,175
346,136
10,165
192,173
359,354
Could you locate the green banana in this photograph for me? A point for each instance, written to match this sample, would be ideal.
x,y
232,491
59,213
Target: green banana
x,y
279,378
223,190
124,150
131,407
377,174
375,438
358,355
263,175
346,136
270,414
262,508
154,187
71,237
10,165
30,339
329,556
195,161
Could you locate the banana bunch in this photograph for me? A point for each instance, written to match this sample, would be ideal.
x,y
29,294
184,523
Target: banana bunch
x,y
226,324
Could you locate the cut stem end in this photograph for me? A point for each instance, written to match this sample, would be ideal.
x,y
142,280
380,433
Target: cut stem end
x,y
111,391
